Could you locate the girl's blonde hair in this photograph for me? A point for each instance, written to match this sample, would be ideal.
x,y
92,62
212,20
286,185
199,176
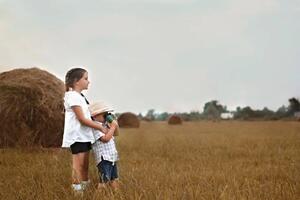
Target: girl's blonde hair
x,y
72,76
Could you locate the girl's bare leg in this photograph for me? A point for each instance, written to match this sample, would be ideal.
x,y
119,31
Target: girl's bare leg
x,y
80,167
85,169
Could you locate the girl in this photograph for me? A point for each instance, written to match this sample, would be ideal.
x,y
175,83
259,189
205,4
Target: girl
x,y
78,129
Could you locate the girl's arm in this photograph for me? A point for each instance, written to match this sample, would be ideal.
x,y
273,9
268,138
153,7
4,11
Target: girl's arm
x,y
87,122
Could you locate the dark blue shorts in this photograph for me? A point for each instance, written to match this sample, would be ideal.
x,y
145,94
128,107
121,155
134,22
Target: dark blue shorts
x,y
108,171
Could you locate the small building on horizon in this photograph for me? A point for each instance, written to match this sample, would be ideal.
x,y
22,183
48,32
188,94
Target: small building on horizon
x,y
297,115
226,115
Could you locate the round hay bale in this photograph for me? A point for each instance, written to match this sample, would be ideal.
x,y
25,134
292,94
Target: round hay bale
x,y
31,112
174,120
128,120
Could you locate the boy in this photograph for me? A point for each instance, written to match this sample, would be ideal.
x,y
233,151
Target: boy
x,y
104,148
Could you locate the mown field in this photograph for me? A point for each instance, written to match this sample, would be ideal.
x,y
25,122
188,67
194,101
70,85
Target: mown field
x,y
197,160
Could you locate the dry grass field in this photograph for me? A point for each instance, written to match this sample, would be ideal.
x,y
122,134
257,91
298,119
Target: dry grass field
x,y
196,160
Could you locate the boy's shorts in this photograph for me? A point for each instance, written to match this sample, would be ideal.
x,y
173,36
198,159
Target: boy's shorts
x,y
79,147
108,171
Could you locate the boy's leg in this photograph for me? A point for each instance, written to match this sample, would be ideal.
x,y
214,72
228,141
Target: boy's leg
x,y
101,186
104,174
114,176
114,184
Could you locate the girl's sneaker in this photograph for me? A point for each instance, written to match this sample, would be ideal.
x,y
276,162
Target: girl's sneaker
x,y
77,189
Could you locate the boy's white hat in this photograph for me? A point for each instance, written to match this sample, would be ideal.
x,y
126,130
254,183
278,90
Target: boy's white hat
x,y
99,107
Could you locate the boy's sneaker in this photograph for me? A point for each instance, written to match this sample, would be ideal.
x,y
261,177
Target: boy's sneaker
x,y
85,184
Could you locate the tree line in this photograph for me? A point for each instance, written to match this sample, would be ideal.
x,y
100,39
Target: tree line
x,y
213,110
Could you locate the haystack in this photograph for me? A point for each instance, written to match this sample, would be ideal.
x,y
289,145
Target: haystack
x,y
31,108
174,120
128,120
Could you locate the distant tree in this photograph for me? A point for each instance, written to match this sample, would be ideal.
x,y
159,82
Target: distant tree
x,y
150,115
213,109
281,112
194,115
225,109
184,116
244,113
266,113
162,116
237,113
238,109
294,106
247,112
140,116
188,116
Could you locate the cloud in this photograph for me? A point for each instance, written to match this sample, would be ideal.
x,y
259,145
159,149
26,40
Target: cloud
x,y
253,8
153,1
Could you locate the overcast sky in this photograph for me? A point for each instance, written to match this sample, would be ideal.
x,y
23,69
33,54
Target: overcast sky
x,y
170,55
